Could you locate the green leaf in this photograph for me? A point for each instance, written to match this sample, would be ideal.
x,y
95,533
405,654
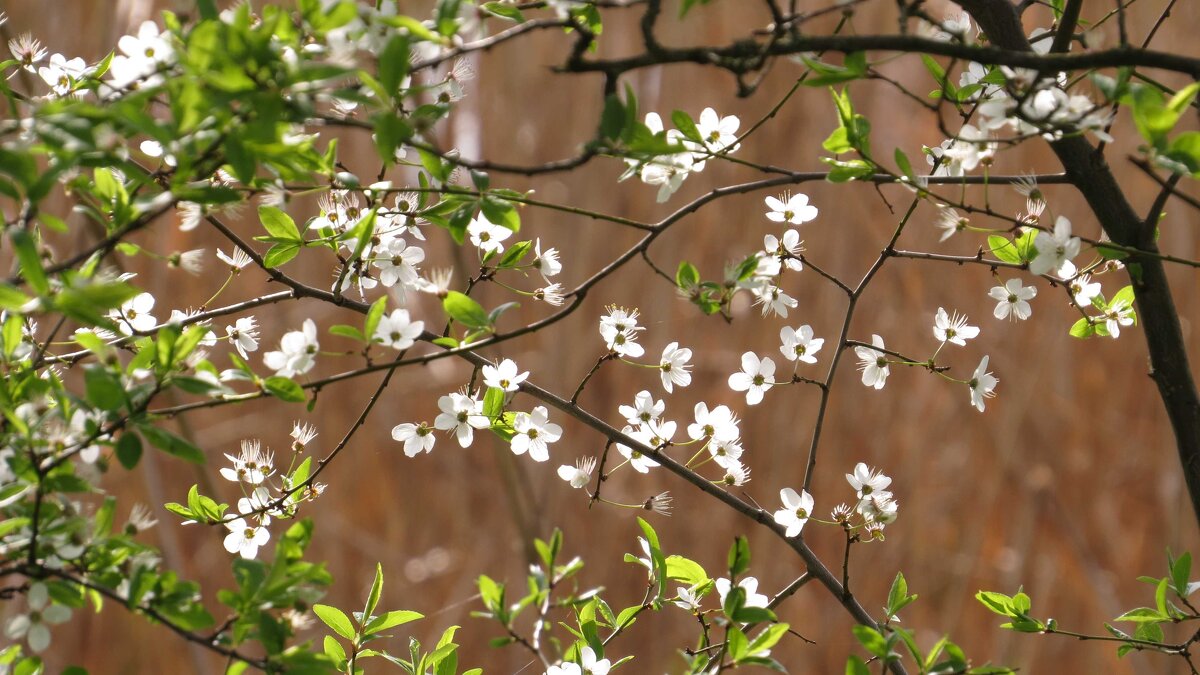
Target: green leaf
x,y
1181,570
376,591
278,224
1003,249
856,666
280,254
129,449
512,257
683,569
1143,615
171,444
12,299
683,122
898,597
374,314
30,263
335,619
284,389
736,643
393,65
334,650
391,620
104,390
612,119
463,309
1083,328
871,640
687,276
493,402
738,560
503,11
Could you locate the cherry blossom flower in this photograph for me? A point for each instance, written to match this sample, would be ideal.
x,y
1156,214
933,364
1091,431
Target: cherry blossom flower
x,y
736,474
789,208
297,351
748,584
674,367
982,384
302,435
953,328
725,452
773,299
640,462
62,74
504,376
1054,249
416,438
755,378
1083,289
397,330
799,344
27,51
580,474
243,334
397,263
34,627
461,414
718,133
644,409
546,261
797,508
687,598
251,466
1119,313
236,260
1012,300
873,364
867,481
950,222
244,538
551,295
718,424
486,235
534,433
787,250
134,315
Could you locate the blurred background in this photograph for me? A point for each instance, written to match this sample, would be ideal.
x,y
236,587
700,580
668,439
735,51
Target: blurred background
x,y
1068,484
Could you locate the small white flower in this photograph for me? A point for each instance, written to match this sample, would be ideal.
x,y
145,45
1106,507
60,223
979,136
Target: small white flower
x,y
718,133
34,626
546,261
1083,289
236,260
773,299
953,328
244,335
789,208
134,315
534,433
867,481
1053,250
486,235
950,222
640,462
297,352
799,344
718,424
982,384
416,438
674,367
302,435
244,538
736,474
797,508
1119,313
504,376
461,414
251,466
580,474
644,409
397,330
748,584
755,378
687,598
787,249
551,295
873,364
1012,300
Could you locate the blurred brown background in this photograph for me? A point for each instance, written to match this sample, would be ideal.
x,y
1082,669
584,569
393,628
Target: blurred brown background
x,y
1068,484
